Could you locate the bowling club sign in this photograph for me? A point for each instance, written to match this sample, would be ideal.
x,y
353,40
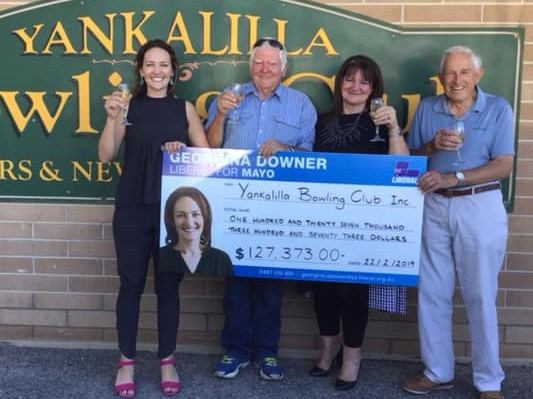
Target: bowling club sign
x,y
62,57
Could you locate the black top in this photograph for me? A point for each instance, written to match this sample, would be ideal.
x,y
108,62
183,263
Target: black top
x,y
214,262
349,134
154,122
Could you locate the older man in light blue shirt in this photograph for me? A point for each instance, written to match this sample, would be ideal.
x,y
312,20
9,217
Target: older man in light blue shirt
x,y
464,231
270,118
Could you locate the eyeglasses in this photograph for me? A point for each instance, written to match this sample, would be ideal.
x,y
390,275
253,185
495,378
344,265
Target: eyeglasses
x,y
271,42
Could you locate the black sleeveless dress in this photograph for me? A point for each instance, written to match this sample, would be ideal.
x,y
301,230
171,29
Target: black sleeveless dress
x,y
154,122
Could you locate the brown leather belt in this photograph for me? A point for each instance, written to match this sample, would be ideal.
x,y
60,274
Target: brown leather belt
x,y
458,192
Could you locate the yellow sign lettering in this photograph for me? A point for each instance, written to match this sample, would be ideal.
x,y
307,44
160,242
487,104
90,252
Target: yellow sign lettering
x,y
48,172
105,40
233,33
438,86
131,32
78,168
201,102
206,48
25,170
20,171
412,103
6,170
38,107
182,36
253,21
59,37
321,39
27,39
101,172
84,101
105,171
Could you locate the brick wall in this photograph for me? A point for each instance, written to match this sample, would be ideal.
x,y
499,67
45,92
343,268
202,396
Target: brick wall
x,y
57,268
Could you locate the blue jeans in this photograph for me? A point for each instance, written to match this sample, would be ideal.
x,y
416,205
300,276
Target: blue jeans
x,y
252,324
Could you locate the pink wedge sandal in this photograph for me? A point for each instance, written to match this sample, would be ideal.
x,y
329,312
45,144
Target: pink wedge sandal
x,y
169,388
123,390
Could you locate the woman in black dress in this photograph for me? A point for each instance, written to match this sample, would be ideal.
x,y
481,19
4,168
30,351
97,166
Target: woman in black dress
x,y
349,128
159,122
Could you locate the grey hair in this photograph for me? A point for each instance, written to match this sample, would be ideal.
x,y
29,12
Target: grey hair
x,y
282,52
475,58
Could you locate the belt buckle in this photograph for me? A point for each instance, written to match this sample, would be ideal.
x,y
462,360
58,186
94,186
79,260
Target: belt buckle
x,y
459,192
469,190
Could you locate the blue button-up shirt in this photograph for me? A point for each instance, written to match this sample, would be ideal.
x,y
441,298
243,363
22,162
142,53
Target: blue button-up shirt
x,y
488,130
287,116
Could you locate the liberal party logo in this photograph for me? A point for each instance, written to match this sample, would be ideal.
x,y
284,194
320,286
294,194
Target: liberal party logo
x,y
402,173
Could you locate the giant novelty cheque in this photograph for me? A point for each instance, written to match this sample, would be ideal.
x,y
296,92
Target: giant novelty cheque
x,y
308,215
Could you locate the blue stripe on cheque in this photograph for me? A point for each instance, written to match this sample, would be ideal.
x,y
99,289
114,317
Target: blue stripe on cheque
x,y
324,275
402,170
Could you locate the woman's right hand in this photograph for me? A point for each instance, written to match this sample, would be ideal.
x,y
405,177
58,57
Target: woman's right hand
x,y
113,132
114,104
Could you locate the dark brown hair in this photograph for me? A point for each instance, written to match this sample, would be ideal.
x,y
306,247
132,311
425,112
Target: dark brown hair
x,y
139,87
370,71
198,197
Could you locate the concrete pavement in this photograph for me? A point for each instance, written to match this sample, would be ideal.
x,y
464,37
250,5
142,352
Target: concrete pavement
x,y
29,372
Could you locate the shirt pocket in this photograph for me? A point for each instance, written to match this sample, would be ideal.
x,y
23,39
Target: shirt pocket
x,y
287,129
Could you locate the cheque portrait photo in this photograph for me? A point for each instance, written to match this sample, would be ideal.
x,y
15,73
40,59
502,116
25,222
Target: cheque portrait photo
x,y
188,220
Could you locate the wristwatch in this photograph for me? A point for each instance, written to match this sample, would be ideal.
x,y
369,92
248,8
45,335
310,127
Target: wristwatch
x,y
396,133
460,177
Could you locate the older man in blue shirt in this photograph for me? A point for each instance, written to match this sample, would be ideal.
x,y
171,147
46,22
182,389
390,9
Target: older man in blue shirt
x,y
464,229
270,118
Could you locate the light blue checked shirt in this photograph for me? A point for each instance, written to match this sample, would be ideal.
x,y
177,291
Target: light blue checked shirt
x,y
287,116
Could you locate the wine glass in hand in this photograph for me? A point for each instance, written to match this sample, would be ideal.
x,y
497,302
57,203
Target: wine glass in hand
x,y
126,95
458,129
236,90
375,104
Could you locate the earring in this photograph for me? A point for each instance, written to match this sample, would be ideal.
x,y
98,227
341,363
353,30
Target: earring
x,y
171,81
141,81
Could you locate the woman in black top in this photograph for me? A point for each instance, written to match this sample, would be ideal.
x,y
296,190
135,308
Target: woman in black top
x,y
348,128
159,122
188,220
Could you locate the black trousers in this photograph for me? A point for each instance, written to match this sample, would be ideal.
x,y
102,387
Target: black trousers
x,y
136,235
337,303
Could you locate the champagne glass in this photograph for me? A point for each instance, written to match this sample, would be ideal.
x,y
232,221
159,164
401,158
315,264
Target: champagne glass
x,y
126,95
236,90
375,104
458,129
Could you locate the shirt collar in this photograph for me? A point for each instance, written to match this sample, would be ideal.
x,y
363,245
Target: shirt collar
x,y
278,93
478,105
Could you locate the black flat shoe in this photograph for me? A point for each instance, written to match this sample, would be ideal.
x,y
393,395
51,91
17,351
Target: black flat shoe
x,y
341,385
319,372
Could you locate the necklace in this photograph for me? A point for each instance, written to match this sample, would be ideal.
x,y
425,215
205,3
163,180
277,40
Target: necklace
x,y
338,135
348,128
